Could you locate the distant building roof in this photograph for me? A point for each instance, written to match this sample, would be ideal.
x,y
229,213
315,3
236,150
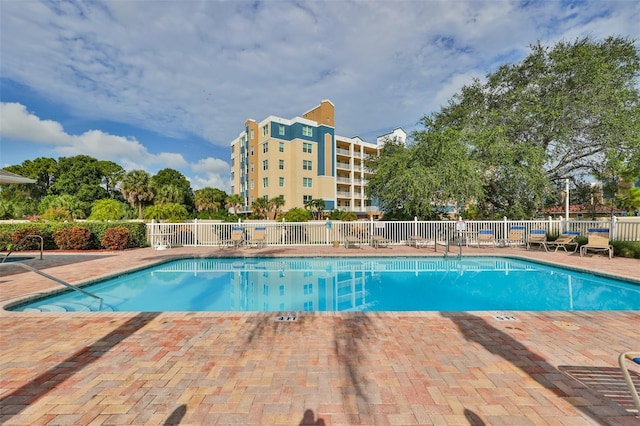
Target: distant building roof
x,y
8,177
583,208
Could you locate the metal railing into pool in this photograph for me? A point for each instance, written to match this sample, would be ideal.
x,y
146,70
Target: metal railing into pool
x,y
51,277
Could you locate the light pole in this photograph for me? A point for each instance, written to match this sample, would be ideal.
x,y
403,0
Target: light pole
x,y
566,199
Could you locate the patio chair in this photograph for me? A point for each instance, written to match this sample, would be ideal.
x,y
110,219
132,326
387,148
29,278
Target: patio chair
x,y
598,240
623,360
539,237
515,237
564,240
486,237
237,237
259,238
378,241
351,242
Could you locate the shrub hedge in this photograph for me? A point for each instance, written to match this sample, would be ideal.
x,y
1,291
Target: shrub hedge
x,y
11,233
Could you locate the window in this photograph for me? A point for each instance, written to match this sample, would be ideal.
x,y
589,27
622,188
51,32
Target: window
x,y
265,147
265,289
251,167
307,306
281,290
306,147
265,165
281,147
308,288
251,184
252,134
306,198
265,182
265,130
281,164
251,150
307,165
281,130
307,131
307,182
281,181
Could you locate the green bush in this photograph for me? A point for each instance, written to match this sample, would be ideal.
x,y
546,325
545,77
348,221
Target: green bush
x,y
29,243
629,249
117,238
74,238
57,214
297,214
5,241
138,231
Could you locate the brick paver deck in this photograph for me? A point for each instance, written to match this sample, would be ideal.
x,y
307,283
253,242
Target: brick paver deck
x,y
556,368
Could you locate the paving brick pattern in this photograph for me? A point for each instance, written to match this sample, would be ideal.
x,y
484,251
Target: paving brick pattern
x,y
379,368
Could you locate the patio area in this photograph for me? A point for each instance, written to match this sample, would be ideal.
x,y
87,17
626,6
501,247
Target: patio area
x,y
396,368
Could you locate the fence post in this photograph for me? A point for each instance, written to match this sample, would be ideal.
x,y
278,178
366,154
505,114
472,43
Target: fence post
x,y
505,228
195,231
283,237
614,223
415,225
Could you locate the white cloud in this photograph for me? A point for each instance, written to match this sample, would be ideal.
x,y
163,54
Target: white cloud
x,y
18,124
211,172
203,67
178,69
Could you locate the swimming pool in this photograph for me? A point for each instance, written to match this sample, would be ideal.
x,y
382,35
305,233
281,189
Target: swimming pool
x,y
349,284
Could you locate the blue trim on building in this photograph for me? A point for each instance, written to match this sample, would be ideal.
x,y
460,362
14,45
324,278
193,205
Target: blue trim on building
x,y
322,132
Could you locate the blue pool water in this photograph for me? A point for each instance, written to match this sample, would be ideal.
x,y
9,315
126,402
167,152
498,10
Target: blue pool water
x,y
353,284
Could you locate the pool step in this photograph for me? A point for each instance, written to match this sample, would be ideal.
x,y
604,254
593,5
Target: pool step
x,y
68,307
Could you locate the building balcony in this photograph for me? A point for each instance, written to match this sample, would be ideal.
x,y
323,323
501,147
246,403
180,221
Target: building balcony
x,y
341,165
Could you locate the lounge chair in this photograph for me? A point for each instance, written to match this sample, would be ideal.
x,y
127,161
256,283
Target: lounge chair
x,y
623,359
564,240
486,237
378,241
259,238
539,237
237,237
352,242
598,240
515,237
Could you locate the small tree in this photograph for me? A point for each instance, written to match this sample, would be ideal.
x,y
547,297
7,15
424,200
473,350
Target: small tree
x,y
297,214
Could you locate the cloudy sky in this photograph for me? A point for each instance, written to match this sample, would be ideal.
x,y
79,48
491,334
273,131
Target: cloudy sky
x,y
155,84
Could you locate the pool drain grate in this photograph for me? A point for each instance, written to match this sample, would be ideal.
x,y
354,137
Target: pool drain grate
x,y
501,316
288,317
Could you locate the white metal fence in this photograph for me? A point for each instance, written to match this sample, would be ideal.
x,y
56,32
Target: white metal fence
x,y
210,233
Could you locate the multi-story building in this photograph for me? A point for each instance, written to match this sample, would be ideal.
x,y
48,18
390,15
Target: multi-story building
x,y
303,159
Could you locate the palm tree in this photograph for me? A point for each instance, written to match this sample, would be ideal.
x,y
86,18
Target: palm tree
x,y
168,194
136,188
275,206
317,205
205,199
260,207
235,201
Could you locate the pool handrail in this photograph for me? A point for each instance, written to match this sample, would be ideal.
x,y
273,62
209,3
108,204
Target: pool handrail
x,y
22,241
51,277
